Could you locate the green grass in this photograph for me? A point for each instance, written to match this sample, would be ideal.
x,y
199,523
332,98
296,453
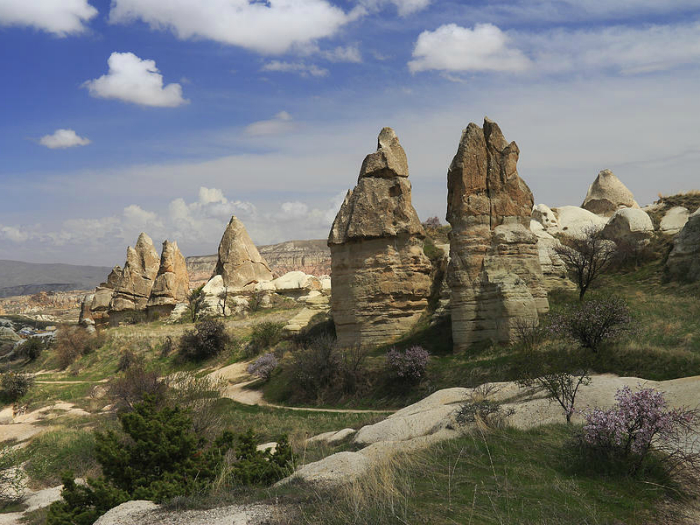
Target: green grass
x,y
506,477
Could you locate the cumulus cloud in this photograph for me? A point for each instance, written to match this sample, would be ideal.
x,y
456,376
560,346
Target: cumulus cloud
x,y
281,123
10,233
454,48
132,79
299,68
63,138
59,17
271,27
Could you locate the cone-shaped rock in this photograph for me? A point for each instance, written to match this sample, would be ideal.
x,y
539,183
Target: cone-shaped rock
x,y
607,194
239,262
133,288
172,282
380,275
494,273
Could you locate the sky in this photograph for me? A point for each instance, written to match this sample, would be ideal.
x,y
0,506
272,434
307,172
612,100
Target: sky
x,y
169,116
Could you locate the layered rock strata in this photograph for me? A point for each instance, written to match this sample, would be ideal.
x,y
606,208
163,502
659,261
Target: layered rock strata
x,y
133,288
495,276
684,260
380,276
607,194
172,283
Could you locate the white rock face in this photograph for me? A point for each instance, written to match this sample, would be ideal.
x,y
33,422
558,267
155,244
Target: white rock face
x,y
674,220
546,217
295,282
629,225
553,266
573,221
607,194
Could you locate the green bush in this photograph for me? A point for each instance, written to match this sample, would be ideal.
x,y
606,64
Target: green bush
x,y
208,339
31,348
265,335
14,385
127,359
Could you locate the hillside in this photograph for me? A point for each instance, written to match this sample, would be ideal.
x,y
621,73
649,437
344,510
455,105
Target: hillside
x,y
22,278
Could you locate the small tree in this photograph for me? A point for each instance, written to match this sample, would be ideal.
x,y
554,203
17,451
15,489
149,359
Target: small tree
x,y
14,385
196,302
263,366
592,323
587,257
561,387
408,366
208,339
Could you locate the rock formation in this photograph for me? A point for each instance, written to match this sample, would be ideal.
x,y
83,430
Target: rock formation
x,y
674,220
684,260
576,222
554,270
607,194
239,262
133,288
311,257
380,275
172,283
494,274
630,225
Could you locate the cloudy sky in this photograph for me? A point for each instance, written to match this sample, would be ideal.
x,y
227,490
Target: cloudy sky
x,y
168,116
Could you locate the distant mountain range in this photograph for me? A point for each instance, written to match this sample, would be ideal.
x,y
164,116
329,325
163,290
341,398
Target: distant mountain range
x,y
22,278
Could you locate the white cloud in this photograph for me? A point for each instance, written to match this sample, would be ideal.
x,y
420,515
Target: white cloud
x,y
132,79
454,48
271,27
404,7
282,123
618,49
299,68
63,138
343,54
60,17
10,233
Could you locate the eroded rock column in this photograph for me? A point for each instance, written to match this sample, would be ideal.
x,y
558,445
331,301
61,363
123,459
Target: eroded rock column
x,y
380,275
172,282
494,273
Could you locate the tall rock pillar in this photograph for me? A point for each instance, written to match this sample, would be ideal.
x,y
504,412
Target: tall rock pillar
x,y
494,273
380,275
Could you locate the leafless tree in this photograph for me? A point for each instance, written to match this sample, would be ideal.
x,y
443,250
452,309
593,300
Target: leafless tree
x,y
587,257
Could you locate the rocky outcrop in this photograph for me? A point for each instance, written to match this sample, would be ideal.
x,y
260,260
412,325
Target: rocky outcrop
x,y
554,270
629,225
674,220
684,260
239,262
380,275
133,288
607,194
576,222
311,257
172,283
494,274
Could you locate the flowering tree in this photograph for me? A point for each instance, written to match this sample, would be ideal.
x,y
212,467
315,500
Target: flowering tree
x,y
263,366
639,421
408,366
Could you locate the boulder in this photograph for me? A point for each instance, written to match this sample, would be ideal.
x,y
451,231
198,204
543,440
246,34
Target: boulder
x,y
575,221
546,217
607,194
630,225
380,276
683,262
296,283
674,220
494,274
133,287
239,263
172,283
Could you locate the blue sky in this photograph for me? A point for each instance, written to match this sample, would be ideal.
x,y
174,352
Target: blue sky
x,y
168,116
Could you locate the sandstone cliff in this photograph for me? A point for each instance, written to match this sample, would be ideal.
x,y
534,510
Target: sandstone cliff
x,y
494,274
380,275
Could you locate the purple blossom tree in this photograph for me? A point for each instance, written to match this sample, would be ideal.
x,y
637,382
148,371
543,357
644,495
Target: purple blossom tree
x,y
408,366
263,366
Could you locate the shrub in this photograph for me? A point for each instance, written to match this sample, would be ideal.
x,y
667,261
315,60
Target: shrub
x,y
626,433
408,366
199,395
587,257
14,385
317,366
593,323
135,385
263,366
127,359
73,342
195,303
31,348
529,333
208,339
265,335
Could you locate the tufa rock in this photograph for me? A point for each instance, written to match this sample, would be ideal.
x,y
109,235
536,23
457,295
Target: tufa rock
x,y
554,269
630,225
239,262
575,222
172,283
132,290
494,273
684,260
674,220
380,275
607,194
